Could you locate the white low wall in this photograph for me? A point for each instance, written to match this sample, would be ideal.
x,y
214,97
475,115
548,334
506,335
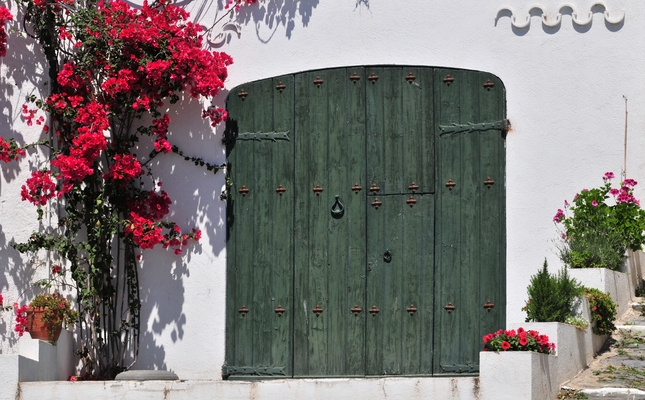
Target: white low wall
x,y
506,375
517,375
42,361
296,389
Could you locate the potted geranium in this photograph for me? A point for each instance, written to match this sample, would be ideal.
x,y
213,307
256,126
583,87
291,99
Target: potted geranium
x,y
520,340
45,316
601,224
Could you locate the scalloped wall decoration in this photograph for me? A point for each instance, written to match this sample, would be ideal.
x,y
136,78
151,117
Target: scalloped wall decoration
x,y
218,39
555,19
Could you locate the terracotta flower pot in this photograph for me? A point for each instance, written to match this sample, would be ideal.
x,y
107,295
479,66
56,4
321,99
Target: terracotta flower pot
x,y
38,329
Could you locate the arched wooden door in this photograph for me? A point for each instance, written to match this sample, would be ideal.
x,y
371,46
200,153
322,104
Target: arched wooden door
x,y
365,222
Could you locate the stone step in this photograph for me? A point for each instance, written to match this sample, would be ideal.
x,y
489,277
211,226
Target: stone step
x,y
614,394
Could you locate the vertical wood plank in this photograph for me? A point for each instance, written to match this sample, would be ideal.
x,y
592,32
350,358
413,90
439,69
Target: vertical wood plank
x,y
470,229
336,229
282,226
355,164
448,221
313,271
259,281
375,117
417,286
493,260
240,262
301,229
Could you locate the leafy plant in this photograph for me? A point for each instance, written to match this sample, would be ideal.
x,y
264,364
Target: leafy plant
x,y
579,322
602,224
57,312
571,394
551,297
603,311
521,340
113,70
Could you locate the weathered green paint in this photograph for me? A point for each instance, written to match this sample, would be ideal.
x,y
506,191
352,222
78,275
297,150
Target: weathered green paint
x,y
470,239
329,262
397,342
291,251
260,226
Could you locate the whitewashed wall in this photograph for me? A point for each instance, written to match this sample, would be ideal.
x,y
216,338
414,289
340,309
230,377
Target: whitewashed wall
x,y
565,88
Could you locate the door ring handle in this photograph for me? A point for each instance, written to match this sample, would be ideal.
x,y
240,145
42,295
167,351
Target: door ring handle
x,y
337,209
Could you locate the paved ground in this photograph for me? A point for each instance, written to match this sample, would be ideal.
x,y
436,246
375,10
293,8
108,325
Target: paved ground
x,y
618,372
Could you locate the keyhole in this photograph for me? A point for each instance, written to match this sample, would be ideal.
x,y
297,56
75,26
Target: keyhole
x,y
387,256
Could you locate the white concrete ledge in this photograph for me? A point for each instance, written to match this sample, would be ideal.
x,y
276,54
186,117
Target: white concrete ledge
x,y
466,388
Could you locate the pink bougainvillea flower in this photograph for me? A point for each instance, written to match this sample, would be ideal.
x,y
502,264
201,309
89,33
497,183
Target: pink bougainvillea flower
x,y
608,176
594,203
614,191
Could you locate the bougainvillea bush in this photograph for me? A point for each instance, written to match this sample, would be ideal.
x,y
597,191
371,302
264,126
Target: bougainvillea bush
x,y
520,340
111,67
603,311
601,224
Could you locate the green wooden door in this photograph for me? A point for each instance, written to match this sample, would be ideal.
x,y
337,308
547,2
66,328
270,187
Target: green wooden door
x,y
346,250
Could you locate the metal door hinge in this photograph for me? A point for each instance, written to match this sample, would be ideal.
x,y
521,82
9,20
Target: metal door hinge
x,y
502,125
228,370
273,136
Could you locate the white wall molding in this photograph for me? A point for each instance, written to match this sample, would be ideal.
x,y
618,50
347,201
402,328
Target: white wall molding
x,y
554,19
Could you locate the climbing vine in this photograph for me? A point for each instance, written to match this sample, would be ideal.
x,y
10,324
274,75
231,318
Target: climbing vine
x,y
111,67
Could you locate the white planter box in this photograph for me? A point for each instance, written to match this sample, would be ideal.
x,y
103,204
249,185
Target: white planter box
x,y
616,283
516,375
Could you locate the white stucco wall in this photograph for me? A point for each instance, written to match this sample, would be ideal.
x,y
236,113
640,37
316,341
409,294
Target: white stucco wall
x,y
565,88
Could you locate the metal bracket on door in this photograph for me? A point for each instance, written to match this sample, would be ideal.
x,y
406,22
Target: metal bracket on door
x,y
273,136
502,125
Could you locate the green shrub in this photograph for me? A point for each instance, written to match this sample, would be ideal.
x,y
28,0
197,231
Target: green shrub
x,y
603,311
551,297
594,250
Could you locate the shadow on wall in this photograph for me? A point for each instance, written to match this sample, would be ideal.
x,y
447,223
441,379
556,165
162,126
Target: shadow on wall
x,y
195,193
267,17
22,69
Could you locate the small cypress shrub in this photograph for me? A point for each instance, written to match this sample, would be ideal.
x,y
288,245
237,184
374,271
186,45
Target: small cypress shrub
x,y
551,297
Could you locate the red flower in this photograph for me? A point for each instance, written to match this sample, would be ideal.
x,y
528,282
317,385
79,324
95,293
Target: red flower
x,y
524,341
39,188
125,168
506,345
